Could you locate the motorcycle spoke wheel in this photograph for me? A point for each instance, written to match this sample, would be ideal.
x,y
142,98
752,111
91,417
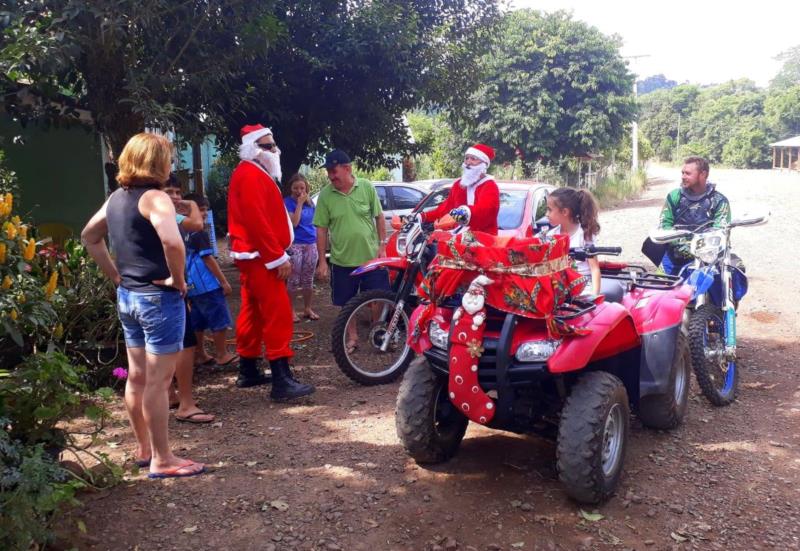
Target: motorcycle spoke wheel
x,y
359,335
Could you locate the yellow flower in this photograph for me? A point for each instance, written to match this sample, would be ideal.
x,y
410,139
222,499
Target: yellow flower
x,y
30,250
13,314
23,231
2,253
58,332
7,282
21,298
50,288
10,229
16,220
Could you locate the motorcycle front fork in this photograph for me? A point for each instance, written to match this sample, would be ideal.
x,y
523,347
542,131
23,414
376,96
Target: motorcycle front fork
x,y
729,314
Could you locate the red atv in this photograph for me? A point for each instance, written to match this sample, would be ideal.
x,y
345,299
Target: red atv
x,y
627,353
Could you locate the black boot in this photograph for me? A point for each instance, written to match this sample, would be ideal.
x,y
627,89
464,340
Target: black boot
x,y
250,374
284,385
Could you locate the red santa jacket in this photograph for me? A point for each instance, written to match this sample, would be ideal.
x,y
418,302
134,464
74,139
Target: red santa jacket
x,y
258,223
483,200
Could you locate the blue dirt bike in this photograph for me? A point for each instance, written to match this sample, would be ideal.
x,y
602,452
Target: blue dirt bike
x,y
717,277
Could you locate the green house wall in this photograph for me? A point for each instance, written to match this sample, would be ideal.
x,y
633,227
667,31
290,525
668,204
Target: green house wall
x,y
60,171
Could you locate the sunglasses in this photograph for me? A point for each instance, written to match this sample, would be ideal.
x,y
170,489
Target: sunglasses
x,y
267,146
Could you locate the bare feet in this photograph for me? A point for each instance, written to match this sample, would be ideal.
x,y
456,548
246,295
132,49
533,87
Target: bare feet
x,y
310,314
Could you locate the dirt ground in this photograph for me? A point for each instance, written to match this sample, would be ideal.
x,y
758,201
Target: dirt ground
x,y
329,474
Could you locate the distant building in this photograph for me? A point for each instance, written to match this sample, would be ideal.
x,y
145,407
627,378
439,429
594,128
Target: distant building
x,y
786,153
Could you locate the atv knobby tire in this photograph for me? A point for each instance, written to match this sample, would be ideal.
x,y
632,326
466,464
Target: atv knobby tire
x,y
666,411
590,463
710,376
338,341
428,425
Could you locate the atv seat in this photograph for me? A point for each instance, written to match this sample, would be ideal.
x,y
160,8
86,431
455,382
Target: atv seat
x,y
612,289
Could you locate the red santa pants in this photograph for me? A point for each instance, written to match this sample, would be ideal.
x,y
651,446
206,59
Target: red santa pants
x,y
266,313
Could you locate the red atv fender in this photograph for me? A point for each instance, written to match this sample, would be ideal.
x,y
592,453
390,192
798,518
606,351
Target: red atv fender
x,y
658,316
612,332
654,310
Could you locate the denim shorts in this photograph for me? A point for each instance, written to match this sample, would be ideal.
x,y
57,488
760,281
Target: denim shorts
x,y
344,286
210,311
153,320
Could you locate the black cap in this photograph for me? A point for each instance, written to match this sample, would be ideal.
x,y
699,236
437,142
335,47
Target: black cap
x,y
335,158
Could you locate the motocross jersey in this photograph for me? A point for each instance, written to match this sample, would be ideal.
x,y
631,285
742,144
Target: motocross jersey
x,y
684,210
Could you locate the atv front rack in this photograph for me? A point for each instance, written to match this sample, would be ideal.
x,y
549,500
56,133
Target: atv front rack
x,y
637,276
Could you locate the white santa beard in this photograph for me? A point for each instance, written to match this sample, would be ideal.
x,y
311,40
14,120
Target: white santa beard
x,y
272,162
471,174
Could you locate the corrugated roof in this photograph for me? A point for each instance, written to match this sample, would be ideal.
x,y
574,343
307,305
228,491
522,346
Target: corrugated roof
x,y
788,142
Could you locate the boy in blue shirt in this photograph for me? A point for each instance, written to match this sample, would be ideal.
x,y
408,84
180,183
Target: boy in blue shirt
x,y
207,289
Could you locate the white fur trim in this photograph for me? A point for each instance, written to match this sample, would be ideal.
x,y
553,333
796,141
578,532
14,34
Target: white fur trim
x,y
471,189
244,256
257,135
478,153
277,262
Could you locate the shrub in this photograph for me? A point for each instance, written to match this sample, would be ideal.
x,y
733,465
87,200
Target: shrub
x,y
32,487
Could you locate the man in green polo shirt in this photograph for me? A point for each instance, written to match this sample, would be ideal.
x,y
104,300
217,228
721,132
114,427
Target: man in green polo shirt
x,y
348,210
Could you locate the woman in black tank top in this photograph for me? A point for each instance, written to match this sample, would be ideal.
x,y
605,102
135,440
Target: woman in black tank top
x,y
149,274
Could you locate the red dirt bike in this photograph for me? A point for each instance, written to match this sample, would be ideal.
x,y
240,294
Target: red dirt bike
x,y
578,390
369,335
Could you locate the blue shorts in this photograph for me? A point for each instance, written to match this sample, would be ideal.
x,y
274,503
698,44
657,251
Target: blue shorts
x,y
153,320
344,287
210,312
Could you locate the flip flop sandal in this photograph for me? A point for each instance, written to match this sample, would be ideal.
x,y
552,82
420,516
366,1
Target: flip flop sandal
x,y
191,418
175,472
234,359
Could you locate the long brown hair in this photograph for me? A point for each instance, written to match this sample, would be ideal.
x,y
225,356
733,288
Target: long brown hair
x,y
582,208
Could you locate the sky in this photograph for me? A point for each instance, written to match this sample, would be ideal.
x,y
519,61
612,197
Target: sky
x,y
700,41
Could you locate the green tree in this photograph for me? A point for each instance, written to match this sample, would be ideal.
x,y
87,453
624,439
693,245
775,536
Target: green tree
x,y
131,64
782,112
662,112
554,88
344,74
789,73
440,148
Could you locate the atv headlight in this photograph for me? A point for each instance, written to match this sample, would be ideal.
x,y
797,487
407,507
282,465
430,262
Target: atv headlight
x,y
437,335
708,246
536,351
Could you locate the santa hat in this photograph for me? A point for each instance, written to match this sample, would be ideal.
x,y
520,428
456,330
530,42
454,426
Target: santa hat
x,y
482,152
252,132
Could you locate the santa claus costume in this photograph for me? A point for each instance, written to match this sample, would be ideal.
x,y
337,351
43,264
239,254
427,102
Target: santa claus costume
x,y
260,232
474,196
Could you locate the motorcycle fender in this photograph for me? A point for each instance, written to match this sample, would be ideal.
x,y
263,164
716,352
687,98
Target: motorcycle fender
x,y
701,280
391,262
658,351
612,332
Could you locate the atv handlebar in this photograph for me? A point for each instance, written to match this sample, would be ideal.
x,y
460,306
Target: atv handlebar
x,y
582,253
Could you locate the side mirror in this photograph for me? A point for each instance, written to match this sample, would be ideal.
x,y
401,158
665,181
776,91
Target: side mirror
x,y
396,222
659,235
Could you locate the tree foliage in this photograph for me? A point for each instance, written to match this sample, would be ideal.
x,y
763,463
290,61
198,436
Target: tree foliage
x,y
653,83
131,63
344,75
789,73
554,88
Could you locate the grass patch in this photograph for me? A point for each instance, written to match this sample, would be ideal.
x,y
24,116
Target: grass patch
x,y
619,187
